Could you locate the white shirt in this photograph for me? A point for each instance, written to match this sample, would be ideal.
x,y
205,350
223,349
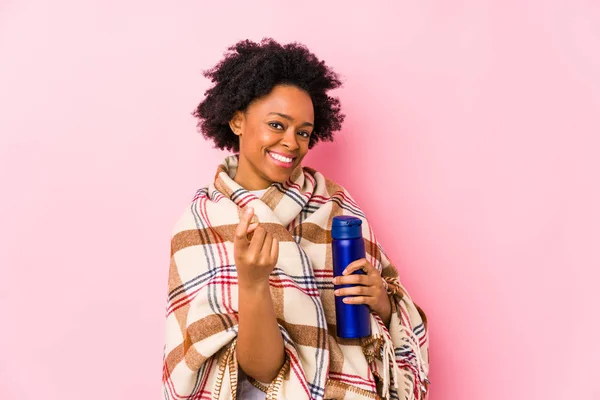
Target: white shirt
x,y
246,390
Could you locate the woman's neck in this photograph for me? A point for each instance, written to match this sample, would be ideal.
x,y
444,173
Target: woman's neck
x,y
248,178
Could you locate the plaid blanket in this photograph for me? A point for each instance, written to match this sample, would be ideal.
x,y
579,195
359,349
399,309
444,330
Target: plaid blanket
x,y
201,325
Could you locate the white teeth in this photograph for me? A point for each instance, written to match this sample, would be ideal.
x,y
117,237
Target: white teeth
x,y
281,158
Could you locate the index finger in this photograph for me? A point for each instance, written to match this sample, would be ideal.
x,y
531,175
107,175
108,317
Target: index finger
x,y
241,231
358,264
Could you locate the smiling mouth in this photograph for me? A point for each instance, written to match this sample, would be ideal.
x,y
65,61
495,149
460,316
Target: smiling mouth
x,y
281,160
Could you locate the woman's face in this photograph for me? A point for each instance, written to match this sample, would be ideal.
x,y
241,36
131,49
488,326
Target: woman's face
x,y
274,134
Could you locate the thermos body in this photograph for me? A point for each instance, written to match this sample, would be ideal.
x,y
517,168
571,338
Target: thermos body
x,y
352,320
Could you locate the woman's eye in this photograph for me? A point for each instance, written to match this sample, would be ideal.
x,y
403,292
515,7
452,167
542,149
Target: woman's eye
x,y
275,125
304,134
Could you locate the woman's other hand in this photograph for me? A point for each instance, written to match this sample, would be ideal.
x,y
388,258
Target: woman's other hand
x,y
255,257
369,288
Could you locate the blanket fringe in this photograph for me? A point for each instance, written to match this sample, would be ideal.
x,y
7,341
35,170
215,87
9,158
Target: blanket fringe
x,y
421,375
390,368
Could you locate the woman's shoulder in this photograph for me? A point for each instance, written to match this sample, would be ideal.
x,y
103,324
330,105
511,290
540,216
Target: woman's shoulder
x,y
189,214
333,187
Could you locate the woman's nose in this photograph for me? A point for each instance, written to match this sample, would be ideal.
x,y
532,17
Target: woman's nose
x,y
289,139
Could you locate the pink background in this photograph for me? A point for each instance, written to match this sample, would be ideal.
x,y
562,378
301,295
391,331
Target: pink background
x,y
472,142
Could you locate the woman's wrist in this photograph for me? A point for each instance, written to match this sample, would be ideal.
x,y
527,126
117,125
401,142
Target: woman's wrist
x,y
253,286
385,312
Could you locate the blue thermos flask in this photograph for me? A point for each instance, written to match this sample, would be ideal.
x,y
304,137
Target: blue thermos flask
x,y
353,320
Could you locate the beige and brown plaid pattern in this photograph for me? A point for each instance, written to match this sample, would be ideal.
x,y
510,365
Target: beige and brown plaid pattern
x,y
201,326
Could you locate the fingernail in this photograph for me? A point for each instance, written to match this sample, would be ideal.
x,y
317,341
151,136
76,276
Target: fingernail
x,y
335,280
346,300
345,272
336,292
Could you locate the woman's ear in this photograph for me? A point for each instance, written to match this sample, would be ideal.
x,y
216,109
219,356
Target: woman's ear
x,y
237,123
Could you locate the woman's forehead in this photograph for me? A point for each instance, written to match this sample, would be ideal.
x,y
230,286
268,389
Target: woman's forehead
x,y
287,100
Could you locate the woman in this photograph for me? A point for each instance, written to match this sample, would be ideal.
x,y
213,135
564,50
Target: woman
x,y
251,292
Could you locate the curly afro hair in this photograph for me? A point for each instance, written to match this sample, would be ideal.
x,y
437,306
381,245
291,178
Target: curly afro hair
x,y
249,71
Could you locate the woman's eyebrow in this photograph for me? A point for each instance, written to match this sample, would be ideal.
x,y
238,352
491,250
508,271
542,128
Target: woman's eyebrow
x,y
289,118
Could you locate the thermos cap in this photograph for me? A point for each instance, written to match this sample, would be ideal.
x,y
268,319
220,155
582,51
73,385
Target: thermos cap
x,y
346,227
